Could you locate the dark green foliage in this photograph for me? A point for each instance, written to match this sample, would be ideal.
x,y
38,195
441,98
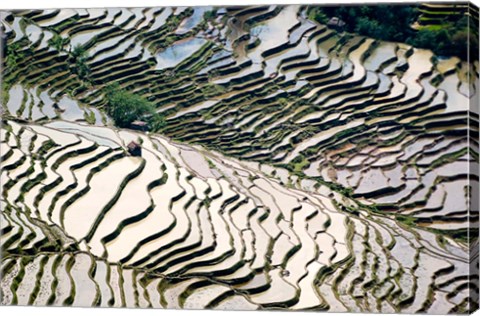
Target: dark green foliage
x,y
46,146
393,23
4,96
90,117
125,107
15,53
385,22
299,163
317,14
367,26
12,56
78,58
450,40
156,122
210,15
58,42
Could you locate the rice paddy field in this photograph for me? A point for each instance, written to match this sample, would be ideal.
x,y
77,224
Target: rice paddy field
x,y
299,168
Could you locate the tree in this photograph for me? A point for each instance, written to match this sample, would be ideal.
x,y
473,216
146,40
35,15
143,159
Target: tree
x,y
78,52
317,14
368,27
125,107
210,15
386,22
459,44
78,58
424,38
393,23
156,122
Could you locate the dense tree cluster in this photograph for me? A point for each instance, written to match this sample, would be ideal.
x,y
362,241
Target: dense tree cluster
x,y
125,107
453,39
393,23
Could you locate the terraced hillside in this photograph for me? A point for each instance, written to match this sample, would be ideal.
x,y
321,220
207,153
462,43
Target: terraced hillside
x,y
439,13
299,168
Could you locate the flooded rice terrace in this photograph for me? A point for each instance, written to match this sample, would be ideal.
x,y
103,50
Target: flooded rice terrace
x,y
296,166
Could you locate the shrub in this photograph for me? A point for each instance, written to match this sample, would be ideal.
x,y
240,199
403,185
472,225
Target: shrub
x,y
13,55
368,27
58,42
78,58
393,23
316,14
210,15
125,107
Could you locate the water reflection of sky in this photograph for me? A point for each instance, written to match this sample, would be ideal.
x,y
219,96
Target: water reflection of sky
x,y
178,52
273,32
71,110
193,20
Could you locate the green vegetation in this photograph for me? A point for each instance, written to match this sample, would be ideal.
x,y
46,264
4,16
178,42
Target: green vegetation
x,y
385,22
358,161
4,95
90,117
211,90
394,23
13,55
46,146
58,42
451,39
407,220
299,163
467,236
125,107
78,57
210,15
210,163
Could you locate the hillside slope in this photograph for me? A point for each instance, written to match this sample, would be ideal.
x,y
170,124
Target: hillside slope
x,y
299,167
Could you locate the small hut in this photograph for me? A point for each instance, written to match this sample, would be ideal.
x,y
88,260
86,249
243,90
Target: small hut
x,y
139,126
134,149
336,23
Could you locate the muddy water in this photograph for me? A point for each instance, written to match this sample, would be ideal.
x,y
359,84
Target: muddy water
x,y
197,163
455,100
385,51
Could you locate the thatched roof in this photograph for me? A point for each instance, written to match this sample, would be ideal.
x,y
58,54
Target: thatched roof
x,y
133,145
139,123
